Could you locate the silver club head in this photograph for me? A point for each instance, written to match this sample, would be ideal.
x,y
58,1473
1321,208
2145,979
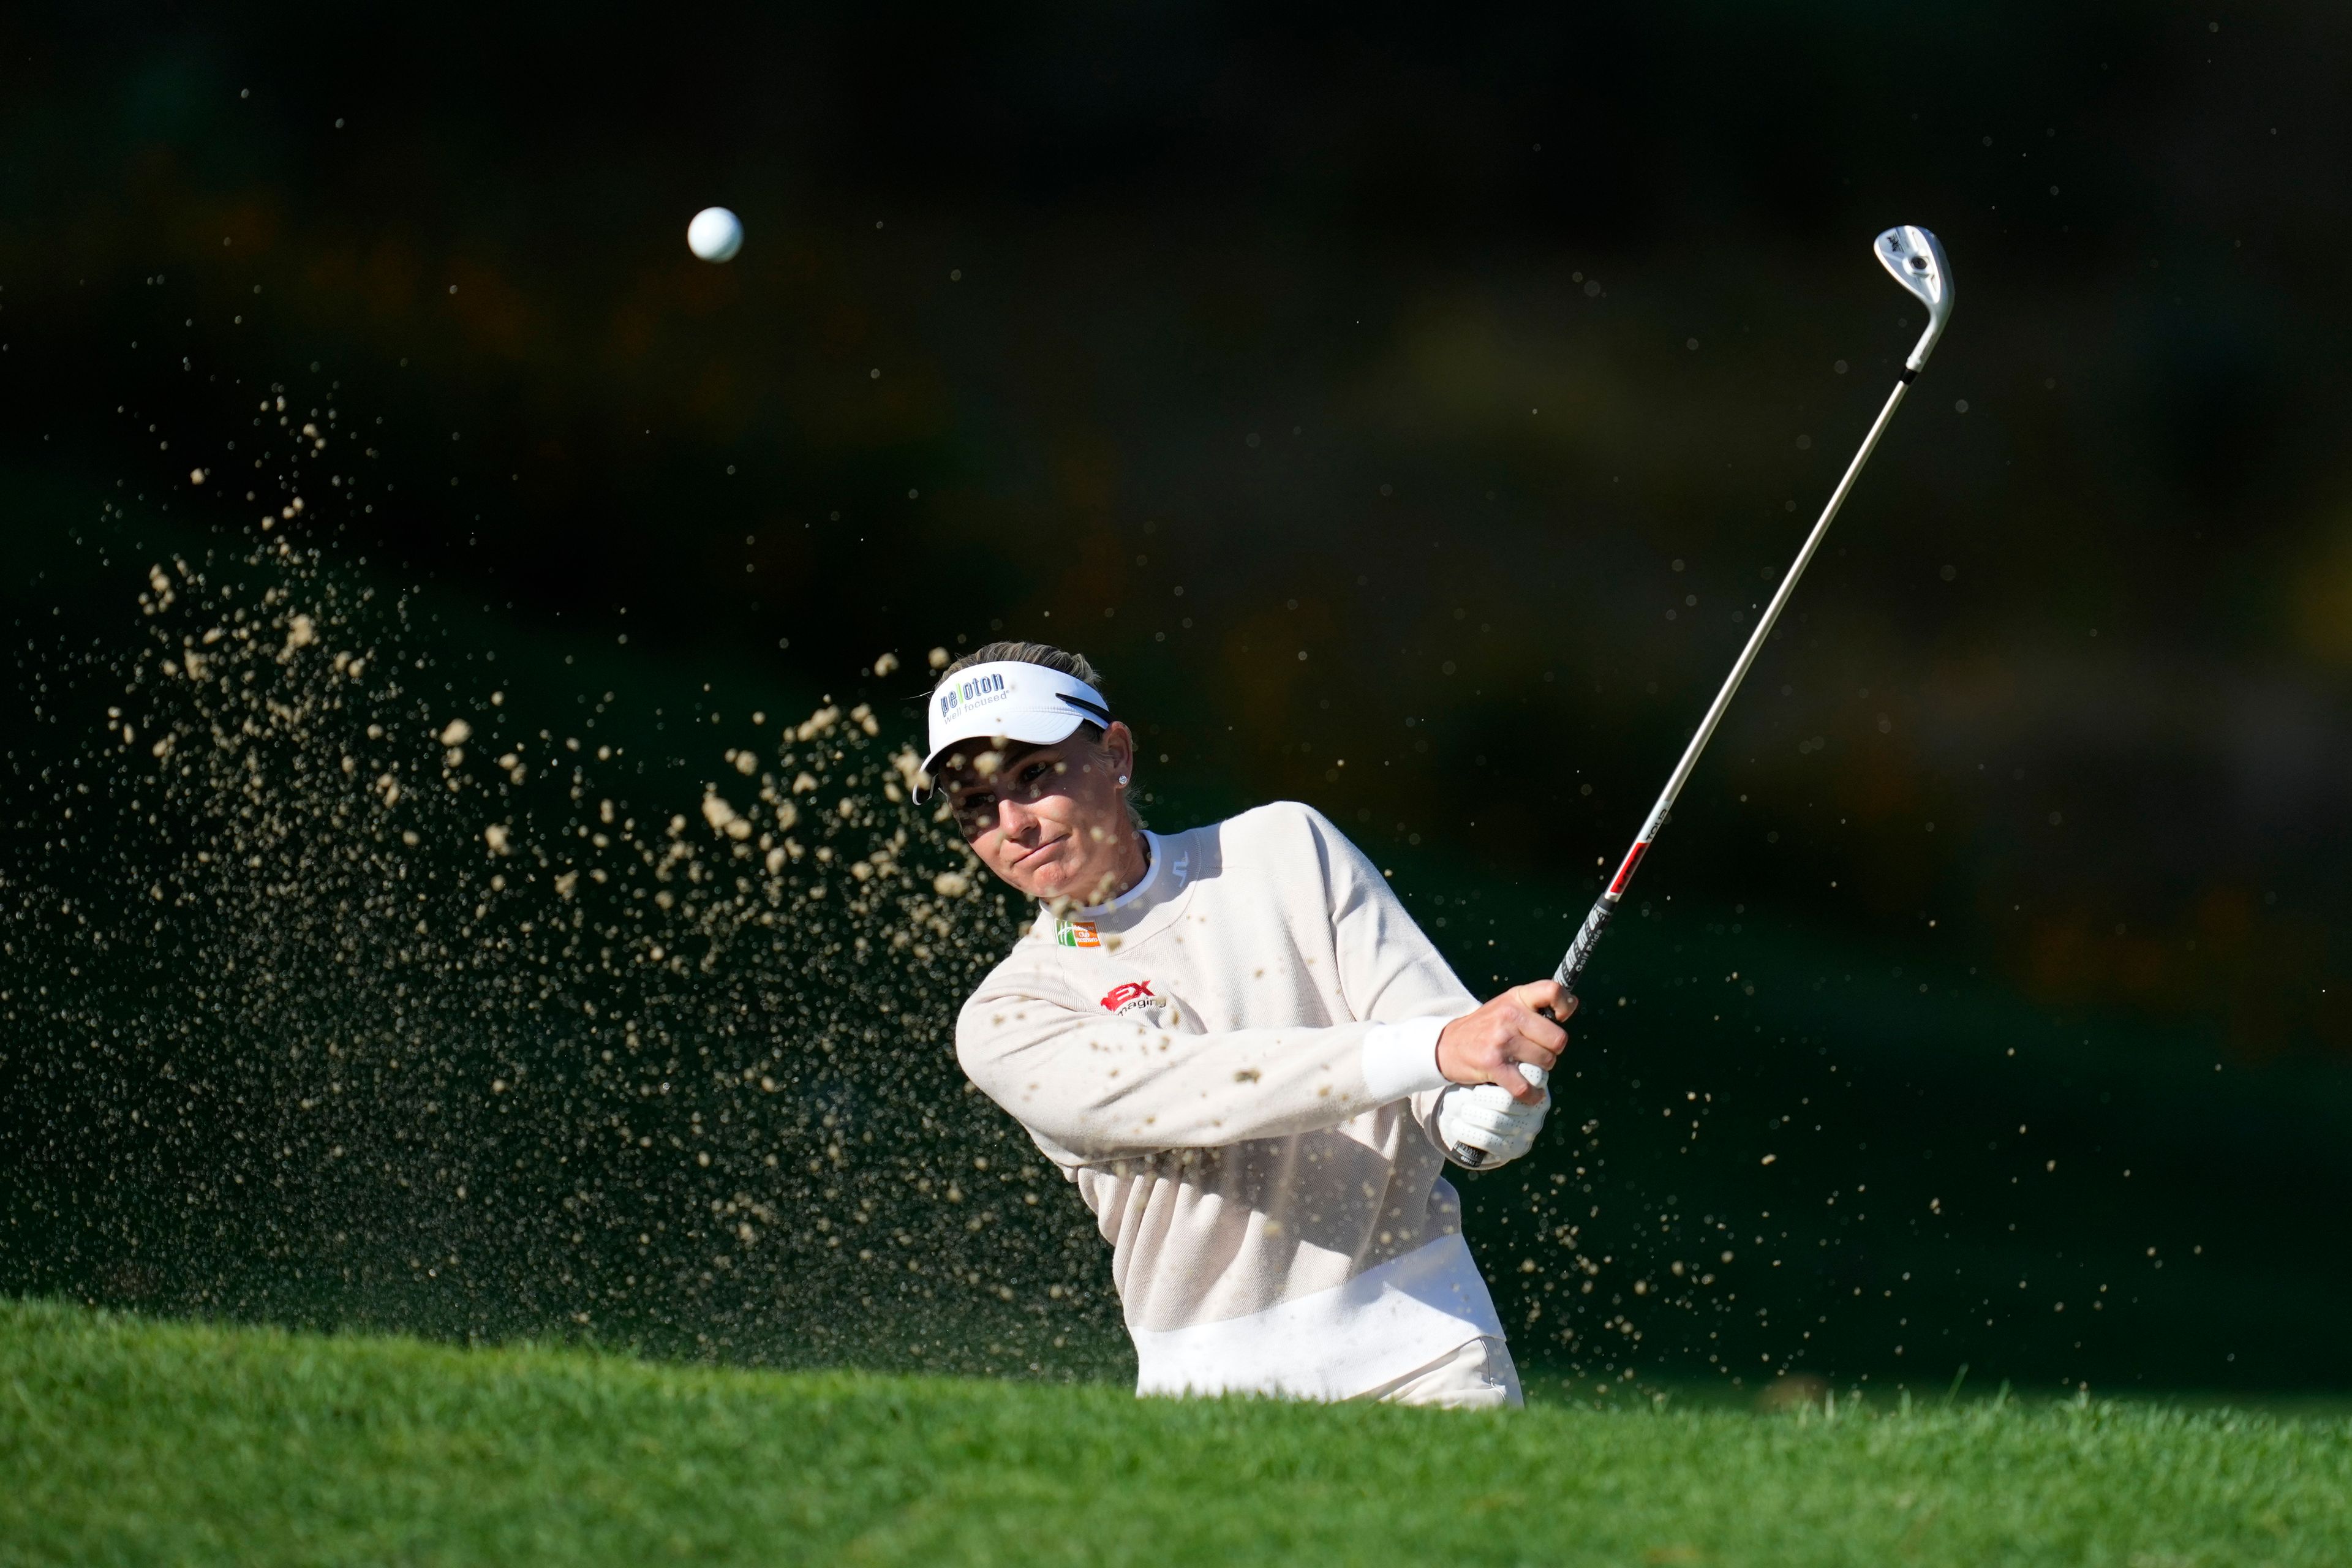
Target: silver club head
x,y
1916,260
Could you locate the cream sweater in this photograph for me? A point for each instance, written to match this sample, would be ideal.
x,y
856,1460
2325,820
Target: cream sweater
x,y
1236,1063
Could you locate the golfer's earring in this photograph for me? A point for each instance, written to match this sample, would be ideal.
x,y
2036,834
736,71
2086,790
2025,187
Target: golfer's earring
x,y
1122,781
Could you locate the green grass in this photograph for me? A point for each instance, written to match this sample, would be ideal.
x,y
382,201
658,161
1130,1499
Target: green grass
x,y
129,1441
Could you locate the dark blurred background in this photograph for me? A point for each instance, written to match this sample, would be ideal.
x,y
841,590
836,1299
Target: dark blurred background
x,y
1407,410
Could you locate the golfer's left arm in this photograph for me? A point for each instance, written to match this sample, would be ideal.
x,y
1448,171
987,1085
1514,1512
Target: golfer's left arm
x,y
1392,971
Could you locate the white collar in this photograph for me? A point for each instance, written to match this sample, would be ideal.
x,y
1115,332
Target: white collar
x,y
1155,868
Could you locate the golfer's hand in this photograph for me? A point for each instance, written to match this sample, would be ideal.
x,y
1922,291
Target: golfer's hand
x,y
1486,1047
1485,1119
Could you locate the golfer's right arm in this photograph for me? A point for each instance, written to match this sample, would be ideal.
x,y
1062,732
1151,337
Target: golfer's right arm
x,y
1105,1085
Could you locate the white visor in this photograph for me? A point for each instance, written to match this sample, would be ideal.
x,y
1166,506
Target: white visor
x,y
1010,700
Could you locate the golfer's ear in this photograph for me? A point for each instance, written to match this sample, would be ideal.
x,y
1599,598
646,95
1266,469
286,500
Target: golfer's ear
x,y
1118,747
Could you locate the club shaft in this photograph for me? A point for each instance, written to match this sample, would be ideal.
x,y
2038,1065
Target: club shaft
x,y
1755,640
1588,935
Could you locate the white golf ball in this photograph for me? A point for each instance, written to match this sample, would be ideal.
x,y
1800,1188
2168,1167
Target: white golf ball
x,y
714,235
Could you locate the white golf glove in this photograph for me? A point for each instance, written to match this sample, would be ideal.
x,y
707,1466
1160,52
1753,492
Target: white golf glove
x,y
1486,1117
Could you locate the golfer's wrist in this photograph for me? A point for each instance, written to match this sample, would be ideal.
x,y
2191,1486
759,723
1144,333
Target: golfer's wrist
x,y
1454,1065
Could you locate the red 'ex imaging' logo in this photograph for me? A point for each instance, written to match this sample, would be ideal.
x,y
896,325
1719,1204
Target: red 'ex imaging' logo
x,y
1120,995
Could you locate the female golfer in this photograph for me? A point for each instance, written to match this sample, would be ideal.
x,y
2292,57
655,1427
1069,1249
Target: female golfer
x,y
1242,1051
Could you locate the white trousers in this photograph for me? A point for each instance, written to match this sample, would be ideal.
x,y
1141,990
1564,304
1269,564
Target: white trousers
x,y
1473,1376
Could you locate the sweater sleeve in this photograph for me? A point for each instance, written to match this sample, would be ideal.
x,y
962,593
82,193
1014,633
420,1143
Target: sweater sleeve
x,y
1390,970
1106,1085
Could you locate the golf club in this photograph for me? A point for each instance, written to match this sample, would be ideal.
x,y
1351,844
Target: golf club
x,y
1917,261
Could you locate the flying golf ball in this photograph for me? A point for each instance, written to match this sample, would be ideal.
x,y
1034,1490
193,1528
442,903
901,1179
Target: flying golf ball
x,y
714,235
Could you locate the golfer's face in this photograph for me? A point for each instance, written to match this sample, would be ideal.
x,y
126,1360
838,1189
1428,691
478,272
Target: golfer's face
x,y
1044,820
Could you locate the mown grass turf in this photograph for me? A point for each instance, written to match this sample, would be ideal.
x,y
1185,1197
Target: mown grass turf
x,y
123,1440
